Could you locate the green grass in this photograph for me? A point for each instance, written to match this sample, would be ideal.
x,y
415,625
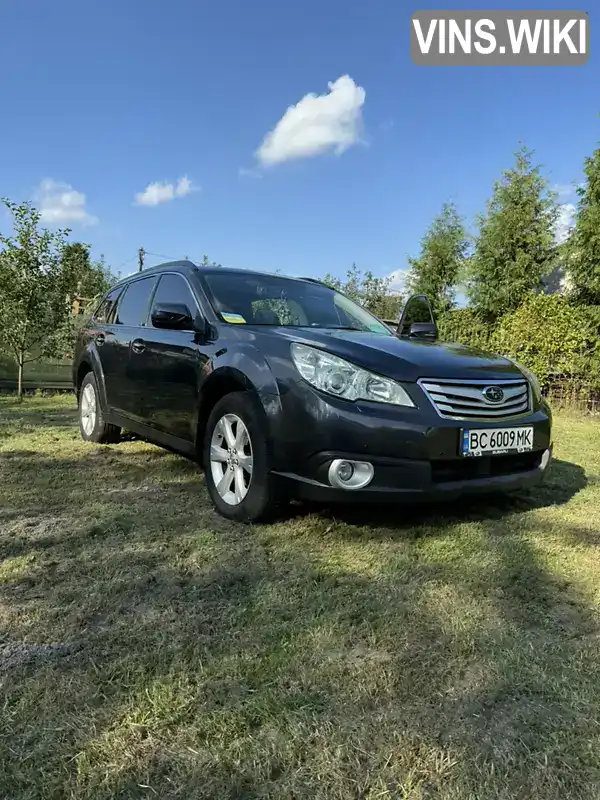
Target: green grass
x,y
150,649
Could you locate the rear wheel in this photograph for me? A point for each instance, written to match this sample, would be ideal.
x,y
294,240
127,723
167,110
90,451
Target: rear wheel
x,y
236,461
92,424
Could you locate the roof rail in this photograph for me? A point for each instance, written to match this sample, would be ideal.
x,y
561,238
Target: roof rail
x,y
181,263
312,280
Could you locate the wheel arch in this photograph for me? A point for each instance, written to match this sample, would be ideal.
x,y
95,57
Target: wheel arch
x,y
222,382
83,369
90,362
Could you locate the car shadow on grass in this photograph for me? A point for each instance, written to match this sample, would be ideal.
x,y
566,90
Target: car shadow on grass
x,y
563,481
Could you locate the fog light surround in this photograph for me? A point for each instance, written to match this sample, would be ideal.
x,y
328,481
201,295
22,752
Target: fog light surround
x,y
344,473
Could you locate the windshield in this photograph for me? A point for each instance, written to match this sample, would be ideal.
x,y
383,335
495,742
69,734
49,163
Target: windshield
x,y
273,300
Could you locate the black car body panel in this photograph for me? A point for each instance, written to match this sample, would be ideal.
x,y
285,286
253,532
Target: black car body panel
x,y
162,385
405,360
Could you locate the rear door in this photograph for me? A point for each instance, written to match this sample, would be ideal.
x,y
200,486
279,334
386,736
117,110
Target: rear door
x,y
130,320
167,364
101,331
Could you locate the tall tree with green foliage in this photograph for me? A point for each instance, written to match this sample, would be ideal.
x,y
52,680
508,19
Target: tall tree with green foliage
x,y
92,278
582,259
441,262
35,286
515,246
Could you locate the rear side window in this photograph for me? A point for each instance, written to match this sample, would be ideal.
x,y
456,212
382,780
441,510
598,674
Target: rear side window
x,y
106,309
133,304
174,289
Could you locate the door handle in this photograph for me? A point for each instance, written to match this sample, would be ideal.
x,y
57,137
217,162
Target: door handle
x,y
138,345
100,339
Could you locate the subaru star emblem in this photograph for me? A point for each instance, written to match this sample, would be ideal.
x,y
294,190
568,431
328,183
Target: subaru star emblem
x,y
493,394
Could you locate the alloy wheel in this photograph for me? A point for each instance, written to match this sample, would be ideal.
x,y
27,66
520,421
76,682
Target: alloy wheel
x,y
88,410
231,459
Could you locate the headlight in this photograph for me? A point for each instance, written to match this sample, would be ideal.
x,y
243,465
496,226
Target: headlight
x,y
341,378
531,377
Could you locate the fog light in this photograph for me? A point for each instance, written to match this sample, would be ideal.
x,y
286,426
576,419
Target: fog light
x,y
546,458
345,474
345,471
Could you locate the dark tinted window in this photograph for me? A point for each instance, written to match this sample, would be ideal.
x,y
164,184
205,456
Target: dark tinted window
x,y
256,299
106,310
174,289
133,305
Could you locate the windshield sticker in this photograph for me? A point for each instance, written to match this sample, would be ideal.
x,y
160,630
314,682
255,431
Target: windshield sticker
x,y
237,318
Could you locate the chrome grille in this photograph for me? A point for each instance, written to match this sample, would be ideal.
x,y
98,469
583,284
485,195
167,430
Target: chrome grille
x,y
466,399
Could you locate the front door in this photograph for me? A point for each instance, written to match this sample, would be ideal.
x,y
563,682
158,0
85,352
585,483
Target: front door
x,y
166,365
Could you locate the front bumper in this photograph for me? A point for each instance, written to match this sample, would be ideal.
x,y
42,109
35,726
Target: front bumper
x,y
397,481
414,452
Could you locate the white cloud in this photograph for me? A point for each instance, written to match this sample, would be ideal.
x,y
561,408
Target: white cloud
x,y
60,203
162,192
397,280
565,222
316,124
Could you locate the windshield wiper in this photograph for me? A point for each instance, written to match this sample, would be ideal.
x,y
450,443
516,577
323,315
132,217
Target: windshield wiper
x,y
343,328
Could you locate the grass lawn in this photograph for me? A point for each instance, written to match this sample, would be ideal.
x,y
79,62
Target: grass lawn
x,y
150,649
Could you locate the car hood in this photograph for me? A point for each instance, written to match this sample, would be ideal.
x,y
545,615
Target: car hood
x,y
406,359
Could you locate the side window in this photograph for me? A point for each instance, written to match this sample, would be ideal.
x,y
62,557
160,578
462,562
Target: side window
x,y
174,289
133,305
106,309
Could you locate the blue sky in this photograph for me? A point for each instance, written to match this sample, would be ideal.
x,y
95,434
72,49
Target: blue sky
x,y
102,100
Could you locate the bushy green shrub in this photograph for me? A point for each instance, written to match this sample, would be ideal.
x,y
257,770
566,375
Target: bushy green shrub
x,y
554,338
464,325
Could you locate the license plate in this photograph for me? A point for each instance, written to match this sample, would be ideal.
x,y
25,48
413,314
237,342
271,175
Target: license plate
x,y
495,441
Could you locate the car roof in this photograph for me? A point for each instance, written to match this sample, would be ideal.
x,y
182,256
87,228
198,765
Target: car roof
x,y
187,267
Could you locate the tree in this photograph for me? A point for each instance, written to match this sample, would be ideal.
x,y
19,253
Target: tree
x,y
443,252
92,278
583,246
515,246
35,286
369,291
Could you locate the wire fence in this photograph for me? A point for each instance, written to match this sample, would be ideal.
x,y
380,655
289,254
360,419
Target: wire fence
x,y
566,395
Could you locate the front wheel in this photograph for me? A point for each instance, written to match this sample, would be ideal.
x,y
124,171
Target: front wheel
x,y
236,460
91,419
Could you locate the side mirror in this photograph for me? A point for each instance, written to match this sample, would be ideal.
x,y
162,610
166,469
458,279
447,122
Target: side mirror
x,y
172,316
423,330
417,320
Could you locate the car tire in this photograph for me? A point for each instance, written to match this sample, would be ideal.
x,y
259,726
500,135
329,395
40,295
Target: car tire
x,y
92,424
243,494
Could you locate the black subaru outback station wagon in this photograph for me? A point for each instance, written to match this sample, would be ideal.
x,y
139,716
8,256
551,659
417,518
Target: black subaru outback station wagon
x,y
283,387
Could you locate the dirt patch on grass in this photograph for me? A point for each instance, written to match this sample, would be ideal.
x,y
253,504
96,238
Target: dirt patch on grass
x,y
17,654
